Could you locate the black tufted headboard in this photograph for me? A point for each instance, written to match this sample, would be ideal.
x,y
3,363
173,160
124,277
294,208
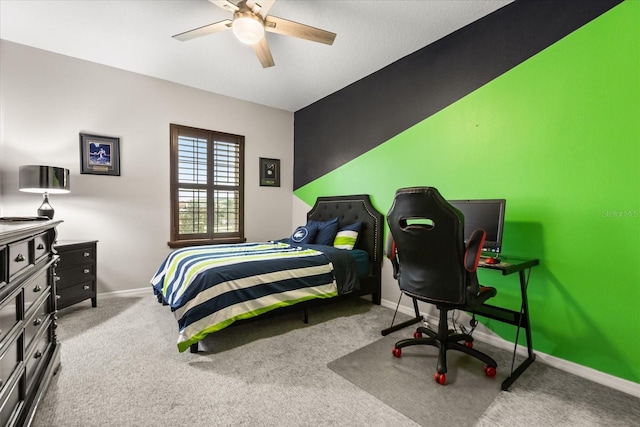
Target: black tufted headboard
x,y
350,209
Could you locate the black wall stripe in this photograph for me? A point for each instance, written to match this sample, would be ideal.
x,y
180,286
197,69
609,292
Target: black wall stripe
x,y
346,124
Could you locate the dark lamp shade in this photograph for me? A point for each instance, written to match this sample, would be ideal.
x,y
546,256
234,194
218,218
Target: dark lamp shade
x,y
43,179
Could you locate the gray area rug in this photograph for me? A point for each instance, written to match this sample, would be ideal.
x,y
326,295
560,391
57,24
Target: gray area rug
x,y
407,384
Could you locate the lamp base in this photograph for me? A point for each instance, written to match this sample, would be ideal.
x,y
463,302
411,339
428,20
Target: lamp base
x,y
45,208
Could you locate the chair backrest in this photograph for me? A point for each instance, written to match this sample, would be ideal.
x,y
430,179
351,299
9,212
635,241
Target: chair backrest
x,y
429,244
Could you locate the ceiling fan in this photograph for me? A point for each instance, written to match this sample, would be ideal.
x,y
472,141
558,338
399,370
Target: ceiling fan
x,y
249,23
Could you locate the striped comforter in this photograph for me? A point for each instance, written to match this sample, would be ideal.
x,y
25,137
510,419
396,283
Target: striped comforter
x,y
210,287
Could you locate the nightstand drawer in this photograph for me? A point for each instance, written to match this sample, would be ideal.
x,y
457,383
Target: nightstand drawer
x,y
76,293
75,257
73,275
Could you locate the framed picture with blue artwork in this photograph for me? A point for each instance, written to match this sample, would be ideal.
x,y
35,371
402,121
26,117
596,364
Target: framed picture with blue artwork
x,y
269,172
99,155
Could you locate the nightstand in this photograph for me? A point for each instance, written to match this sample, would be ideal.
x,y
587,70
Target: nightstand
x,y
76,272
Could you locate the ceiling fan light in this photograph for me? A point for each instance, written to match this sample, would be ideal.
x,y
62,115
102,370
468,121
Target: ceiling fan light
x,y
248,29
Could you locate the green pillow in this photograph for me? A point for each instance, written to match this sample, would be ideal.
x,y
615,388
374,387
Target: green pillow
x,y
347,237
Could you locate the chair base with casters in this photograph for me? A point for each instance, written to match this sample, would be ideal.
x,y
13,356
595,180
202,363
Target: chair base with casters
x,y
445,340
433,263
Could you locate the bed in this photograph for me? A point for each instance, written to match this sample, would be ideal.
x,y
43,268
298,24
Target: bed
x,y
209,288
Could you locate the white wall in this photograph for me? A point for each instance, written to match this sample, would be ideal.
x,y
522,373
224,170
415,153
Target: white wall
x,y
47,99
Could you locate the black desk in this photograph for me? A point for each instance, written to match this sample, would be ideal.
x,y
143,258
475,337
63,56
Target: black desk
x,y
512,317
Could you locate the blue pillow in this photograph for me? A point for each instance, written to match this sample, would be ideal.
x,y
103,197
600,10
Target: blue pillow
x,y
327,231
347,237
304,234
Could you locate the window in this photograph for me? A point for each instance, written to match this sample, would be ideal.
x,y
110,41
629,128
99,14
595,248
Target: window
x,y
207,186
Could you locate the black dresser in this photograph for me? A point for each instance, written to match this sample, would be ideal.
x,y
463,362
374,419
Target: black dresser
x,y
29,349
76,272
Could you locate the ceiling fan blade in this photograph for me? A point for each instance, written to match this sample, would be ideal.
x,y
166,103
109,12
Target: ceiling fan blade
x,y
225,4
203,31
263,6
264,53
277,25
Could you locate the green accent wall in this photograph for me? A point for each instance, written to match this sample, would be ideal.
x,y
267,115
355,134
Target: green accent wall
x,y
558,136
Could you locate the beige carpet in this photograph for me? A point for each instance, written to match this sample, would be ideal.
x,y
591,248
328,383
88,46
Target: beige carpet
x,y
120,367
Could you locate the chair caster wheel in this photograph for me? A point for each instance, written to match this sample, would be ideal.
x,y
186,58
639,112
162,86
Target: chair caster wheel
x,y
397,352
417,335
468,344
490,371
440,378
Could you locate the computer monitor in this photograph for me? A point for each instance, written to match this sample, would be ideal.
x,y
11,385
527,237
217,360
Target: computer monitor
x,y
487,214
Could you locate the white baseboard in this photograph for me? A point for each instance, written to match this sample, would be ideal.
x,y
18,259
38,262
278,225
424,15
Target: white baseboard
x,y
616,383
127,293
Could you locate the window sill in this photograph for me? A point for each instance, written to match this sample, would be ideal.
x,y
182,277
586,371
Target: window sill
x,y
200,242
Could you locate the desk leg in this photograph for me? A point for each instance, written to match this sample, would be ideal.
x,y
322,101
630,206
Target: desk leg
x,y
524,315
416,319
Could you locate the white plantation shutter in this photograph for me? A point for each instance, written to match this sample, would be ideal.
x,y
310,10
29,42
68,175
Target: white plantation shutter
x,y
206,185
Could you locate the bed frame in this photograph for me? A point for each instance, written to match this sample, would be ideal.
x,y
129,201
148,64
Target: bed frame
x,y
348,210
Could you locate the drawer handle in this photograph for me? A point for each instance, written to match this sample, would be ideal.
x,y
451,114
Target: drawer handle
x,y
37,288
86,254
40,247
38,355
57,296
87,271
20,258
86,287
37,321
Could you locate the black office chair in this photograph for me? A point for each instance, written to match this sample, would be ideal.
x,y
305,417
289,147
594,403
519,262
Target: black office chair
x,y
432,264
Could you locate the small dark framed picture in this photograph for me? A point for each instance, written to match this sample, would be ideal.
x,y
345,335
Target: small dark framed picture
x,y
99,155
269,172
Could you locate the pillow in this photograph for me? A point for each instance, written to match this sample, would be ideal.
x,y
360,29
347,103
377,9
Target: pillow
x,y
348,236
304,234
326,231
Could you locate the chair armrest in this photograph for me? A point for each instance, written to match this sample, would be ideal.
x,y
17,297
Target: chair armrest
x,y
473,250
392,253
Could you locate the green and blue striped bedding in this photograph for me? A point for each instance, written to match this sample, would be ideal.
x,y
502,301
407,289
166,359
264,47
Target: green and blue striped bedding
x,y
210,287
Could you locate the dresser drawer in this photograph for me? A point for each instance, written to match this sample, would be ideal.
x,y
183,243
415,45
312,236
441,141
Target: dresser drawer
x,y
37,355
33,325
9,402
3,266
73,275
34,289
19,258
75,257
9,314
9,361
40,246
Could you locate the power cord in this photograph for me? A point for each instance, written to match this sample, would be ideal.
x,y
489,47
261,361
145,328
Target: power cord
x,y
473,323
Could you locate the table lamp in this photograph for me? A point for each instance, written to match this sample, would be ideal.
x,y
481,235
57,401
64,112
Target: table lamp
x,y
45,180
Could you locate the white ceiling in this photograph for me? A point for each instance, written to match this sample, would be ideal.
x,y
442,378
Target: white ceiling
x,y
135,35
